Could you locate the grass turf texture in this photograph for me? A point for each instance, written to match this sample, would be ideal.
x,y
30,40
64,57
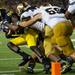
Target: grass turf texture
x,y
9,60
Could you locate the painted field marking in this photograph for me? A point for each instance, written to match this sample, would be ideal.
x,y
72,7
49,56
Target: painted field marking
x,y
7,59
14,71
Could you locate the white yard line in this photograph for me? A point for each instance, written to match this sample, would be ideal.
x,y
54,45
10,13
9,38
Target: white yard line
x,y
0,42
7,59
10,71
73,32
13,71
73,40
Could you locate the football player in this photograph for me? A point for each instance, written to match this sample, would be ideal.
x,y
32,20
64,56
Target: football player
x,y
30,37
61,30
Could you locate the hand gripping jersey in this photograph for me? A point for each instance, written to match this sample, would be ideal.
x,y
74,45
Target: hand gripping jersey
x,y
51,15
71,7
29,14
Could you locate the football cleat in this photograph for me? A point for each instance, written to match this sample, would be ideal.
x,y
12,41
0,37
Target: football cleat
x,y
47,67
30,70
25,60
65,67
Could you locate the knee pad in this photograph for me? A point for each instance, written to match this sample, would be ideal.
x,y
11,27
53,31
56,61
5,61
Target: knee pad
x,y
13,47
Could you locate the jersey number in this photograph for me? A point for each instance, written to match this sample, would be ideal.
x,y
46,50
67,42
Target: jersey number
x,y
52,11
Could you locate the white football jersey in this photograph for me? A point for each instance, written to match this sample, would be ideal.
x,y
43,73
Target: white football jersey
x,y
39,25
26,14
71,7
71,1
51,15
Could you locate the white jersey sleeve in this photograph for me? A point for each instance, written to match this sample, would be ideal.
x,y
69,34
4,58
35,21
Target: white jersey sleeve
x,y
71,7
26,14
39,25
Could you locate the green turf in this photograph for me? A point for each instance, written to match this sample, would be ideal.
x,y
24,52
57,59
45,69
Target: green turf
x,y
9,60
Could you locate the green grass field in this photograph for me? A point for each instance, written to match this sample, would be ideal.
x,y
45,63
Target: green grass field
x,y
9,60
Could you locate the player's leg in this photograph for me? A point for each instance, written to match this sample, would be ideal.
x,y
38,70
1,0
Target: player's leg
x,y
53,55
49,43
32,43
62,32
13,45
32,63
51,49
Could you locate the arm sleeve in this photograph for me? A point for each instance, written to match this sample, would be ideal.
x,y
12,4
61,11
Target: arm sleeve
x,y
71,7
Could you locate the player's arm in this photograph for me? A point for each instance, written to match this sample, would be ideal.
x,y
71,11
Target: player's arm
x,y
31,21
9,33
8,29
71,9
25,23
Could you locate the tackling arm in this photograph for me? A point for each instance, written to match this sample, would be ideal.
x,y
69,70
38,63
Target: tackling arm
x,y
14,28
31,21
